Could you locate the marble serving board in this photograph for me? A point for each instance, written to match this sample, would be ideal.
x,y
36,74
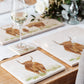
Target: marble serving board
x,y
48,43
49,24
27,77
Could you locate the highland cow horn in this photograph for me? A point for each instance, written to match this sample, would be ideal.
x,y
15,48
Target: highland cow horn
x,y
70,38
31,58
57,43
19,62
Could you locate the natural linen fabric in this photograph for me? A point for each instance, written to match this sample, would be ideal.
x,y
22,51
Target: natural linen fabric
x,y
80,75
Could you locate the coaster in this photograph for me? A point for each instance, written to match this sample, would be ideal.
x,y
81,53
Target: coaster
x,y
26,48
18,70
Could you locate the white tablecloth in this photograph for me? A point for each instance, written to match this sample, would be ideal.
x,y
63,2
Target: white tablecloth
x,y
80,75
5,6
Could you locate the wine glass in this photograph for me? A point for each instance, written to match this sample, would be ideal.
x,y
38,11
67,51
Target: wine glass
x,y
19,16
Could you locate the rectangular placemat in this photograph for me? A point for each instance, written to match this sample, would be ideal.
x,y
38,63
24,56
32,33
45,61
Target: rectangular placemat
x,y
27,77
27,31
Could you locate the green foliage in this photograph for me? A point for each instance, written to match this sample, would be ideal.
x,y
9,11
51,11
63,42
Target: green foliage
x,y
33,18
68,1
55,9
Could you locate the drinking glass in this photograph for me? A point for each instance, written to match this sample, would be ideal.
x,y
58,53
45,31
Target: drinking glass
x,y
73,13
19,16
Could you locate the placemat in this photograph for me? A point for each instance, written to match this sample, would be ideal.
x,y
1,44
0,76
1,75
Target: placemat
x,y
49,24
28,77
52,44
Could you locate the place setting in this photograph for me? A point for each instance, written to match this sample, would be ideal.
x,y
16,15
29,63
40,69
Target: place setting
x,y
45,45
64,44
25,27
42,67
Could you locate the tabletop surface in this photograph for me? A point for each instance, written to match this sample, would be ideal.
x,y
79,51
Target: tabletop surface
x,y
69,73
5,20
6,53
